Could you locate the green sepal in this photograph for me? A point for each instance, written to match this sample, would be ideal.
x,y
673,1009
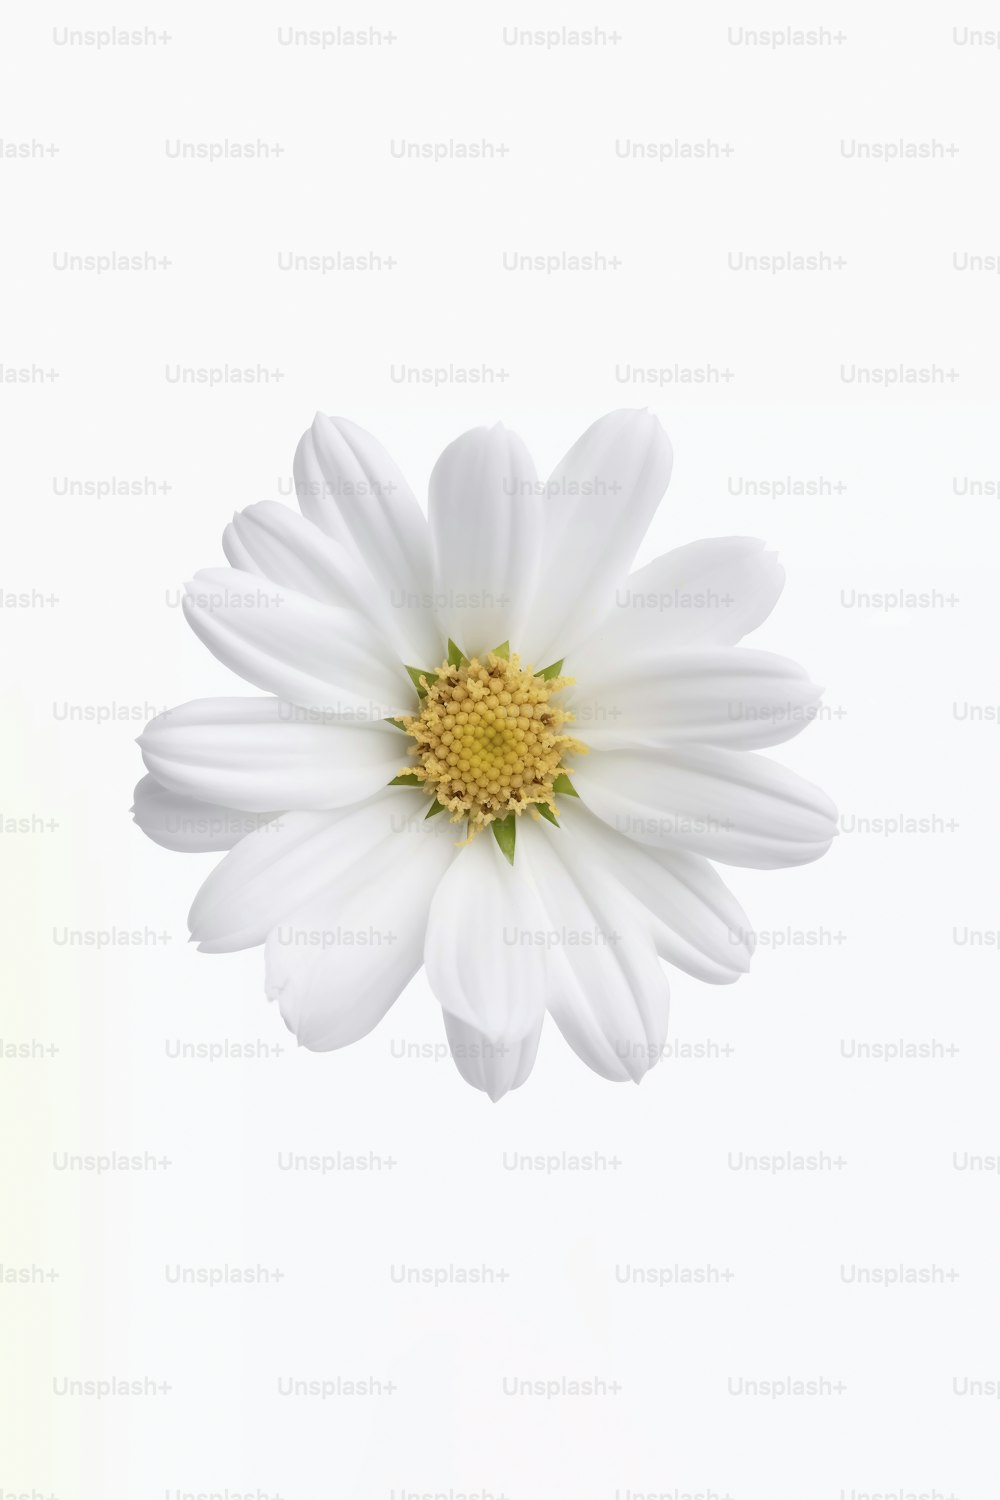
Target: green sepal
x,y
563,784
503,651
505,833
405,780
434,809
456,656
397,724
547,812
552,671
415,675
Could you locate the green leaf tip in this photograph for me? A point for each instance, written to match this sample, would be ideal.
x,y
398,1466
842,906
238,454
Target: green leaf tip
x,y
406,780
552,671
434,809
547,812
563,784
503,651
456,656
415,675
397,724
505,833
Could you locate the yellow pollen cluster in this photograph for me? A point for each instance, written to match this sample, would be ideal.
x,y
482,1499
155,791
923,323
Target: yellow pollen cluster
x,y
488,739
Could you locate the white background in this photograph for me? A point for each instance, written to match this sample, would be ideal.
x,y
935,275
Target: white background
x,y
899,741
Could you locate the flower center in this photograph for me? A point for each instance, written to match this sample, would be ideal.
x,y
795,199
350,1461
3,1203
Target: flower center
x,y
488,739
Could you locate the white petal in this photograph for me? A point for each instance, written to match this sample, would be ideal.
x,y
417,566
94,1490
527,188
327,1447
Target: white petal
x,y
274,542
277,543
695,921
336,964
277,870
708,593
729,805
190,826
607,991
716,696
494,1068
597,507
304,652
347,483
478,966
484,519
260,753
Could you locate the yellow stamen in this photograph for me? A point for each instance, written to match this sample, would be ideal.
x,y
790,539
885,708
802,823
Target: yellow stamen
x,y
488,740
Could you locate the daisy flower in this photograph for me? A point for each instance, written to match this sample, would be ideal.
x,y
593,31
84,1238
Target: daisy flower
x,y
486,747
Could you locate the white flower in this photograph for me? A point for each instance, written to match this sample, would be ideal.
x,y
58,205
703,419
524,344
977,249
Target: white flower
x,y
635,735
